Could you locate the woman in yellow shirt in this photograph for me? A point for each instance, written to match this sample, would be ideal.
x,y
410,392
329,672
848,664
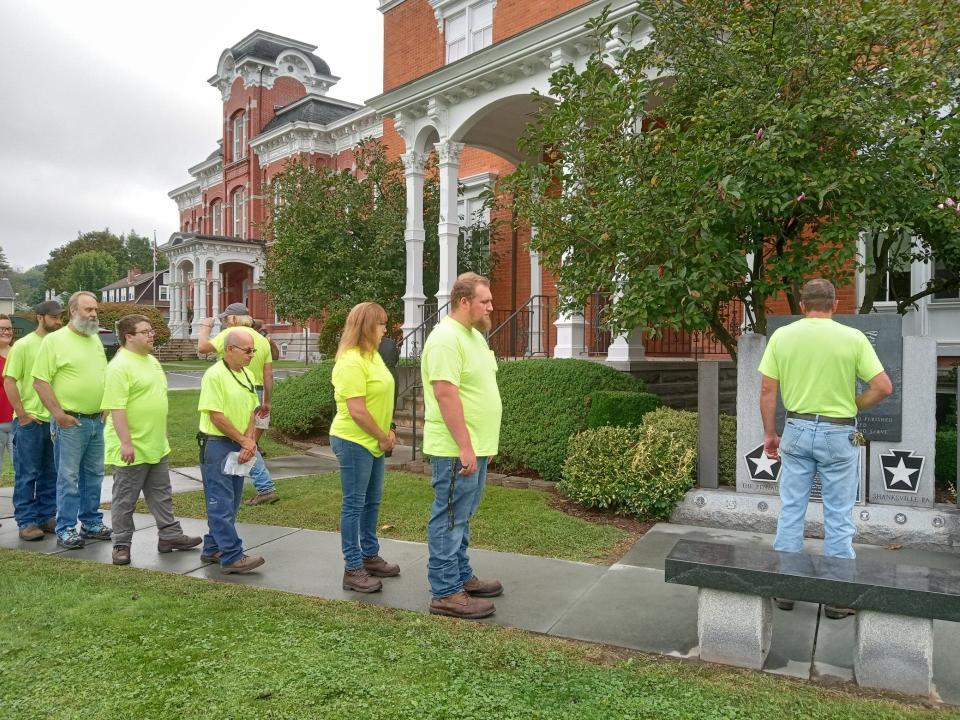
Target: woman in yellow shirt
x,y
360,434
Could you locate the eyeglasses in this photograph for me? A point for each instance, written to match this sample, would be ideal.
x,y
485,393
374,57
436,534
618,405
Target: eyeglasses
x,y
145,332
6,331
245,351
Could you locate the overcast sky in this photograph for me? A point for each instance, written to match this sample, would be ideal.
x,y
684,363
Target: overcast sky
x,y
106,103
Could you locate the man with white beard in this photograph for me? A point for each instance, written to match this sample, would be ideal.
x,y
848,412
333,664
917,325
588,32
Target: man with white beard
x,y
69,375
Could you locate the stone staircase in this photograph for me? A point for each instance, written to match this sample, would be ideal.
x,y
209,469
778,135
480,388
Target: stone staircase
x,y
177,349
403,417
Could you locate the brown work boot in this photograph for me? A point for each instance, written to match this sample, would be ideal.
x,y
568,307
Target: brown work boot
x,y
243,565
50,526
834,612
482,588
183,542
31,533
263,498
379,567
360,581
461,605
121,554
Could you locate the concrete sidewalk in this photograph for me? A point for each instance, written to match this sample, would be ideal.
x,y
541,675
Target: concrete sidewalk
x,y
627,604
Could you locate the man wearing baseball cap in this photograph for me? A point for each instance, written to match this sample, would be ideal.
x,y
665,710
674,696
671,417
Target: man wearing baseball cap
x,y
237,316
35,474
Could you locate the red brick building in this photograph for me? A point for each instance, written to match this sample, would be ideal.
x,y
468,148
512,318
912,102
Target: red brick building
x,y
275,108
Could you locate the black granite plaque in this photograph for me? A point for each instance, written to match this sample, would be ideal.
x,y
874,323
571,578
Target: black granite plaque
x,y
885,333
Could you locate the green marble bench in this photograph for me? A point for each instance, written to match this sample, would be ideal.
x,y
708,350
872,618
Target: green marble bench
x,y
896,606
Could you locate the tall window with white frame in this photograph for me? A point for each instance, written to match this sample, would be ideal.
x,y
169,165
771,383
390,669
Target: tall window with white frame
x,y
469,29
944,274
238,134
240,213
216,217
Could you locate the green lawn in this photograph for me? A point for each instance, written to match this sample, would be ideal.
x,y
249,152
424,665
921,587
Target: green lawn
x,y
182,431
80,640
520,521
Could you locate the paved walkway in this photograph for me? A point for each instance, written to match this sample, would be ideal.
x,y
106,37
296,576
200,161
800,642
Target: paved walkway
x,y
627,604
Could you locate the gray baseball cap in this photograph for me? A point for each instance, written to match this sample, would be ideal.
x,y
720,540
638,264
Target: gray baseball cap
x,y
234,309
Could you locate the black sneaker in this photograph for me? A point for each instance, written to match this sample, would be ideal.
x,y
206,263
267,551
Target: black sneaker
x,y
70,540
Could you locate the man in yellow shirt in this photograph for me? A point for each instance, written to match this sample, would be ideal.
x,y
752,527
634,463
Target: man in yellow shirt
x,y
227,402
238,316
461,433
34,470
68,375
815,363
135,397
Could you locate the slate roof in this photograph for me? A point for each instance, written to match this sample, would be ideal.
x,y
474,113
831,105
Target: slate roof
x,y
270,50
6,289
311,109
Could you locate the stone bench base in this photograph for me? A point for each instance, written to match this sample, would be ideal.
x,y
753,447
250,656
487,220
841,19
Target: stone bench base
x,y
894,652
734,628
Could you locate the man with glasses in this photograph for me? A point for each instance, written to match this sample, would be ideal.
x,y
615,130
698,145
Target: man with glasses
x,y
34,469
68,375
238,316
227,400
135,397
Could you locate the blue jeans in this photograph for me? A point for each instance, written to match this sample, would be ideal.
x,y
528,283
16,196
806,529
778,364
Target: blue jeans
x,y
361,479
35,474
261,476
808,447
456,498
221,494
79,453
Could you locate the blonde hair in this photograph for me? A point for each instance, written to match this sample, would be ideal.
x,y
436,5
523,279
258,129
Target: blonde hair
x,y
239,320
465,287
360,329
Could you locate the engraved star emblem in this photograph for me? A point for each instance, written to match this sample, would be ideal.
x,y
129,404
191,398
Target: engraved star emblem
x,y
902,470
760,467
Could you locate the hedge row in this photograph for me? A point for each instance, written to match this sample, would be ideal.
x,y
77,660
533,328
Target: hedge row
x,y
945,469
616,408
545,403
304,404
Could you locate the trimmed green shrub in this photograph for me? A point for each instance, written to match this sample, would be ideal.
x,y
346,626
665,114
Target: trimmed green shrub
x,y
642,471
109,313
545,402
617,408
598,472
304,404
945,470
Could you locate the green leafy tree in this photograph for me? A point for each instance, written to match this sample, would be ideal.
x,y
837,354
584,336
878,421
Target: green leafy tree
x,y
773,134
29,286
338,237
90,270
4,263
140,253
99,241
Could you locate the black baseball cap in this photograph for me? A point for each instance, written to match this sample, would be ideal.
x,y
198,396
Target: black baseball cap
x,y
48,307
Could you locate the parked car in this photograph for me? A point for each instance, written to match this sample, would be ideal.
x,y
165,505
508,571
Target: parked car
x,y
110,342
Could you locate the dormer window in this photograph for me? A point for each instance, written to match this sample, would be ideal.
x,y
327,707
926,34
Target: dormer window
x,y
469,29
238,133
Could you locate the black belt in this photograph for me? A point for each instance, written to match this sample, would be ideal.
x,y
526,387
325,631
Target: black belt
x,y
88,416
821,418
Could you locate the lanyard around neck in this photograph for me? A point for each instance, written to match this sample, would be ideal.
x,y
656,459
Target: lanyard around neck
x,y
248,385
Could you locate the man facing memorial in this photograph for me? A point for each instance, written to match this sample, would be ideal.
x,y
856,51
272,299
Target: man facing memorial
x,y
815,363
227,402
68,376
461,433
135,398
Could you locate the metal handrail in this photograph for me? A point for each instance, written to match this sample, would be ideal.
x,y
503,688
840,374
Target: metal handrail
x,y
526,330
413,338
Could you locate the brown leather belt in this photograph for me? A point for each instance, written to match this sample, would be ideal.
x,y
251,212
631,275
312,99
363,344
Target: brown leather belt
x,y
821,418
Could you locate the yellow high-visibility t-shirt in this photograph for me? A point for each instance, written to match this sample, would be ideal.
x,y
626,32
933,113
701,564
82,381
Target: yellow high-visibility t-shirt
x,y
258,360
366,376
228,392
75,365
19,366
136,383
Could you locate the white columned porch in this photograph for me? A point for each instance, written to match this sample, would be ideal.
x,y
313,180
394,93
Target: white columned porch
x,y
199,297
570,331
413,235
627,348
448,153
172,321
536,297
215,299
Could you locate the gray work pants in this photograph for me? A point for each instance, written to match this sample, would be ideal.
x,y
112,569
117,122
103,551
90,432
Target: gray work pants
x,y
154,480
